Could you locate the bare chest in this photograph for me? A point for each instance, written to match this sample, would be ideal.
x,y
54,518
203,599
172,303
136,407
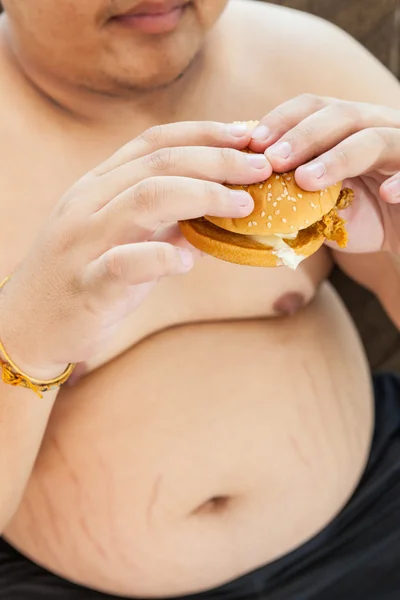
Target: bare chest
x,y
36,169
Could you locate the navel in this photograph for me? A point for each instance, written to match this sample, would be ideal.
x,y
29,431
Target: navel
x,y
216,504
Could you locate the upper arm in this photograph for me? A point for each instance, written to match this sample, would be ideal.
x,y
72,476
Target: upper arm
x,y
313,55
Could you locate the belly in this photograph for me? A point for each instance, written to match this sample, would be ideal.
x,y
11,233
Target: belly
x,y
218,291
201,454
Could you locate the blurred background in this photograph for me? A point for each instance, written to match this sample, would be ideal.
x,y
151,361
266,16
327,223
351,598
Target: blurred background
x,y
376,24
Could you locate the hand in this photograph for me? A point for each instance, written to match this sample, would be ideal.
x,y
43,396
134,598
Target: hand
x,y
328,140
109,240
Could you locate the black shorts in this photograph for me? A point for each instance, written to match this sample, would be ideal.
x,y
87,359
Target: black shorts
x,y
356,557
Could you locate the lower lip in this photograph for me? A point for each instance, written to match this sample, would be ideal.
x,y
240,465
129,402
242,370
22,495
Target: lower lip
x,y
156,23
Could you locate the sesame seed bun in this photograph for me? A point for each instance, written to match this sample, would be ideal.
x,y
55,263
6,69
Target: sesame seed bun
x,y
280,207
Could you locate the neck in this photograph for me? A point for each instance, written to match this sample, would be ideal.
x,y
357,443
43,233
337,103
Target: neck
x,y
106,111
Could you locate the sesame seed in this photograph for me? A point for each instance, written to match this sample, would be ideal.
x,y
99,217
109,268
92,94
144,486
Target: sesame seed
x,y
294,208
275,204
291,227
284,220
261,186
262,214
255,223
279,198
277,212
269,225
269,186
249,224
300,195
307,222
269,217
277,176
288,179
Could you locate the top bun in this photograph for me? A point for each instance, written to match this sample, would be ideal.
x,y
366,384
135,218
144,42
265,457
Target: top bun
x,y
280,205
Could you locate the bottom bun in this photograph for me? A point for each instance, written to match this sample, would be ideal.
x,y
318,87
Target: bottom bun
x,y
241,249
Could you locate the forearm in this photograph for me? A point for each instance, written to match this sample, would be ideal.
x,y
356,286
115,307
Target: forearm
x,y
23,420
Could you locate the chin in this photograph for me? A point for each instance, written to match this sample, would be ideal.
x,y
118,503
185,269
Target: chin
x,y
155,71
156,80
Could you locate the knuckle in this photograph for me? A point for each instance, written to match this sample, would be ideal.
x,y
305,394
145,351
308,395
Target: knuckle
x,y
153,136
379,137
162,259
312,100
211,131
162,160
213,193
113,266
279,116
228,157
73,200
350,112
305,131
342,156
145,195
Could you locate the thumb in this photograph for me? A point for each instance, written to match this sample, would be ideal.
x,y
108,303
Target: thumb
x,y
363,223
390,190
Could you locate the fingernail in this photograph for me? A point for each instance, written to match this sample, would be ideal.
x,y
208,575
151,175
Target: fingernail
x,y
316,170
237,129
187,259
241,199
260,133
394,188
258,161
280,150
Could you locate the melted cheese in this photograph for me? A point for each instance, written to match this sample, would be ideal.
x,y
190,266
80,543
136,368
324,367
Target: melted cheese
x,y
285,253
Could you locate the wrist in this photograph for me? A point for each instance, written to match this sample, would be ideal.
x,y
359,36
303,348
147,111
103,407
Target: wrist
x,y
29,371
16,352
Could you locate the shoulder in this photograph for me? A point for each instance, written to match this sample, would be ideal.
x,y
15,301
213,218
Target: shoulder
x,y
305,53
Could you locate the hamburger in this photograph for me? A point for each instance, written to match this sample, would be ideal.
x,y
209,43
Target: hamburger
x,y
287,225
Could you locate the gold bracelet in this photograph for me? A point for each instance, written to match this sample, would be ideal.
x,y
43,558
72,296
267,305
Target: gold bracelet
x,y
12,375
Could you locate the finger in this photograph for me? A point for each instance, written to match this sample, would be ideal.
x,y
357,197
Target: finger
x,y
137,213
134,264
222,165
284,117
171,234
191,133
370,149
324,129
390,190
